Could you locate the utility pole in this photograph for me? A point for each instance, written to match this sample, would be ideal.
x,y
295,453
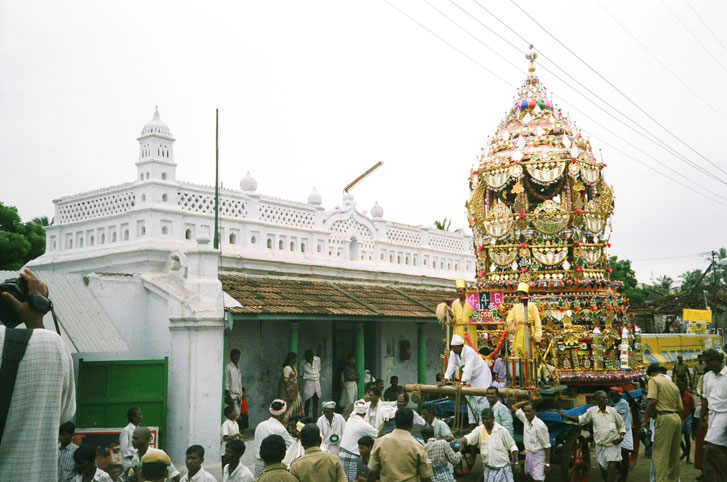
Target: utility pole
x,y
714,278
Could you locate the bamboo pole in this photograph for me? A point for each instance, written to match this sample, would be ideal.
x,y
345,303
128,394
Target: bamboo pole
x,y
467,391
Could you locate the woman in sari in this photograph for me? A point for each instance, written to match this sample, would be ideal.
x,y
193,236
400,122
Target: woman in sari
x,y
289,386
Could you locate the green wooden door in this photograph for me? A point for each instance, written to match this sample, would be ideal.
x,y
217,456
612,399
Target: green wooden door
x,y
107,389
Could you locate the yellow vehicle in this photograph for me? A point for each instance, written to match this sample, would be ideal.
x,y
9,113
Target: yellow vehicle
x,y
664,348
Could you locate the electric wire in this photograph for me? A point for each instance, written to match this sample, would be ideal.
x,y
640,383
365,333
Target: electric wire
x,y
694,36
659,61
577,110
648,135
581,112
449,44
616,88
705,24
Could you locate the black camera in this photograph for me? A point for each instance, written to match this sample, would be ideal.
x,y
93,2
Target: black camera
x,y
17,287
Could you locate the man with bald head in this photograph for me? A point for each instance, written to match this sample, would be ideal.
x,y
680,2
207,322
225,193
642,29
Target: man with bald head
x,y
140,439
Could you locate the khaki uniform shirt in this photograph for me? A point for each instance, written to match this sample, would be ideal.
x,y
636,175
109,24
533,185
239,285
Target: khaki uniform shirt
x,y
398,457
318,466
665,393
275,473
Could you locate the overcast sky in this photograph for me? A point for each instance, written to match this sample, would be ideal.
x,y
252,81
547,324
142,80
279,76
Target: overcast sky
x,y
313,93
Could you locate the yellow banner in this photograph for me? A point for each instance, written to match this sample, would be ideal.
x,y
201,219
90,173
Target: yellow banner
x,y
697,315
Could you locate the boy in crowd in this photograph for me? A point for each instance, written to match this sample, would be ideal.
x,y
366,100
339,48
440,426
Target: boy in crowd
x,y
194,461
85,469
66,448
234,471
229,430
365,444
441,454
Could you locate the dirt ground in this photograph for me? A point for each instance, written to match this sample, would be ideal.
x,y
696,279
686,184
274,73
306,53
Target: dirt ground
x,y
640,472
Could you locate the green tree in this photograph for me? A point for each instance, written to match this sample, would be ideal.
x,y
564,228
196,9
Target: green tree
x,y
443,225
621,271
19,242
690,279
663,285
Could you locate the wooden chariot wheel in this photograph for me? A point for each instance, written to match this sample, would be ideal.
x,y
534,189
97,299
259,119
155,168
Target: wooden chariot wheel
x,y
575,462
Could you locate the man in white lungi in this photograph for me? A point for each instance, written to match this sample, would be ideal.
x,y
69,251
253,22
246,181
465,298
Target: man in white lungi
x,y
331,425
475,373
608,433
311,382
349,382
714,401
536,439
497,447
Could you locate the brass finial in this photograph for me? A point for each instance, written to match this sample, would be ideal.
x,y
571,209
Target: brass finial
x,y
531,56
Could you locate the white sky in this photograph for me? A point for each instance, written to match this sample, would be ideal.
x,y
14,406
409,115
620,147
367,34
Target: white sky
x,y
313,93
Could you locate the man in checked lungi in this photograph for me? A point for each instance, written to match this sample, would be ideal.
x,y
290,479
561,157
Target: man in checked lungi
x,y
441,454
497,447
356,427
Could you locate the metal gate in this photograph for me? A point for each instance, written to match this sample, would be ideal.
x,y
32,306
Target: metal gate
x,y
107,389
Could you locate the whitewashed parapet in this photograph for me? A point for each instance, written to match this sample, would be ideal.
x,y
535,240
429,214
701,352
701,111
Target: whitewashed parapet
x,y
95,204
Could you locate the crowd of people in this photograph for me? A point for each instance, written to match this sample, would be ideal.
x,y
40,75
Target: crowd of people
x,y
376,437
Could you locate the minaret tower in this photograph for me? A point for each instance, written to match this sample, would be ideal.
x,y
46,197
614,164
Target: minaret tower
x,y
156,152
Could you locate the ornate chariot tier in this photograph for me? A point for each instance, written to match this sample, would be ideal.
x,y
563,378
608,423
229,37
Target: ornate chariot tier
x,y
540,212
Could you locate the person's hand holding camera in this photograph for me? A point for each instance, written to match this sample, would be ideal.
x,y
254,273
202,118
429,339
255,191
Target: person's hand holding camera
x,y
26,314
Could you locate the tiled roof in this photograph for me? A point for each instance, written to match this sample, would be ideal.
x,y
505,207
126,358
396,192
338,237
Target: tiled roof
x,y
324,298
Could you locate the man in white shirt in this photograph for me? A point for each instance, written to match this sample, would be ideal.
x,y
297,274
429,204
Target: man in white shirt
x,y
141,439
311,382
229,430
475,372
440,427
356,427
233,381
134,416
235,471
714,401
44,394
271,426
627,444
502,413
194,461
85,466
536,439
497,447
608,433
332,426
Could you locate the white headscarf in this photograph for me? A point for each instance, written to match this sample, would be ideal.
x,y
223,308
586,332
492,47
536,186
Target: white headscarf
x,y
360,407
457,340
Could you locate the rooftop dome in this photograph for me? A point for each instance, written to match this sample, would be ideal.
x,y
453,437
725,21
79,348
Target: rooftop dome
x,y
248,183
539,207
156,126
377,211
314,198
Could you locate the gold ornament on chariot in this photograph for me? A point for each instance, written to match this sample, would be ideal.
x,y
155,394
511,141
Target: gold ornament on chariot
x,y
591,254
550,255
546,171
499,221
590,172
502,256
497,177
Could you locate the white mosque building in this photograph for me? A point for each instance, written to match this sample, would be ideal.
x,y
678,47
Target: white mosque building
x,y
288,275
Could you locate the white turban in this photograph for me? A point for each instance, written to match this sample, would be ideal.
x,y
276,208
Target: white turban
x,y
388,412
457,340
360,407
329,404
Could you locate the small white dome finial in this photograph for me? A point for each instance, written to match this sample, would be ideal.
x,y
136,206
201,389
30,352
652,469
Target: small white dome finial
x,y
314,198
248,183
377,211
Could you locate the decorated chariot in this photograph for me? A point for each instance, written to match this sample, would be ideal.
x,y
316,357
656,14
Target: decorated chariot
x,y
541,216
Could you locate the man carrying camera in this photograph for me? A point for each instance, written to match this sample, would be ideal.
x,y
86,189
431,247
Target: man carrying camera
x,y
43,391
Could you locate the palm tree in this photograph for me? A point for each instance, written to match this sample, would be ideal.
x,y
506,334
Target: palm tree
x,y
443,225
663,284
690,279
43,221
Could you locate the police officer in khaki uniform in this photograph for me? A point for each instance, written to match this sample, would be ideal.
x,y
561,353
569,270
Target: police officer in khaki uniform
x,y
398,457
316,465
272,451
664,404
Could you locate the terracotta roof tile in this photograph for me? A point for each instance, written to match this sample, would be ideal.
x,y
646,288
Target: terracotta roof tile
x,y
285,296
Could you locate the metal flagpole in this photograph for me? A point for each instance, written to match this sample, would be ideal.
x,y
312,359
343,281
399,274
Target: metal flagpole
x,y
217,180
